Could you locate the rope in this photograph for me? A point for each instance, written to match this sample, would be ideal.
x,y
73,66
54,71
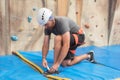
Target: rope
x,y
37,68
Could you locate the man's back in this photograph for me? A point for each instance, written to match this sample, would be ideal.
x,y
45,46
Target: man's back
x,y
62,25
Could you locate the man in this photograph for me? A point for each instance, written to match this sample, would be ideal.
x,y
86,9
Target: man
x,y
68,37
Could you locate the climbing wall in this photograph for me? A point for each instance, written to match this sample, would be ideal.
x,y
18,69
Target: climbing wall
x,y
19,29
25,31
26,34
115,30
95,21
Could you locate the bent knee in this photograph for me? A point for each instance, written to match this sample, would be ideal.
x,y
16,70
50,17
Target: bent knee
x,y
66,63
69,64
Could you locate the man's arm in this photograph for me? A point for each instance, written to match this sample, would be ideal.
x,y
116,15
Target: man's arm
x,y
45,46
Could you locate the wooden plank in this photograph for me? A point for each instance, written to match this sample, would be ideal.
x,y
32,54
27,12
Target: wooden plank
x,y
62,7
5,46
1,26
78,11
7,41
112,6
115,29
44,3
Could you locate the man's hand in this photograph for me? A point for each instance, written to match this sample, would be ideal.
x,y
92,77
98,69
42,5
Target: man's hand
x,y
44,63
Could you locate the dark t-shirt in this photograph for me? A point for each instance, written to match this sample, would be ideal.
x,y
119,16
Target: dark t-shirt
x,y
62,25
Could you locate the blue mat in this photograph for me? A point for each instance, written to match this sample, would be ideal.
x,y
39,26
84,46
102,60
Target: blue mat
x,y
108,55
12,68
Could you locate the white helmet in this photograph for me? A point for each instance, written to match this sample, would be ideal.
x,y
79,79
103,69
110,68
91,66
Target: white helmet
x,y
43,16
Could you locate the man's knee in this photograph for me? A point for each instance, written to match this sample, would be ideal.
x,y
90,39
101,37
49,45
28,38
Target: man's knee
x,y
66,63
69,64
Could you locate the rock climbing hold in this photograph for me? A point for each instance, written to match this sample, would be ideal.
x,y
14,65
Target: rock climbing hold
x,y
90,35
34,8
104,19
118,23
14,38
76,12
92,17
101,35
87,25
21,29
70,3
96,26
29,19
35,28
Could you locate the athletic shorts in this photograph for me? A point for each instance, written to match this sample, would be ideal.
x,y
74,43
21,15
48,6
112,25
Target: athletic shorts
x,y
73,46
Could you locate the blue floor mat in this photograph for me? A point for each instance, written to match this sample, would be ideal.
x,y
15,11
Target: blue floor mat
x,y
12,68
107,55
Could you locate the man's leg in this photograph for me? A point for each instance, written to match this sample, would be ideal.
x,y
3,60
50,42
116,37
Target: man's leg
x,y
89,56
57,47
75,60
78,59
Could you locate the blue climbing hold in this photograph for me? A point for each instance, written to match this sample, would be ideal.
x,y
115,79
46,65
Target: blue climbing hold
x,y
14,38
29,19
34,8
